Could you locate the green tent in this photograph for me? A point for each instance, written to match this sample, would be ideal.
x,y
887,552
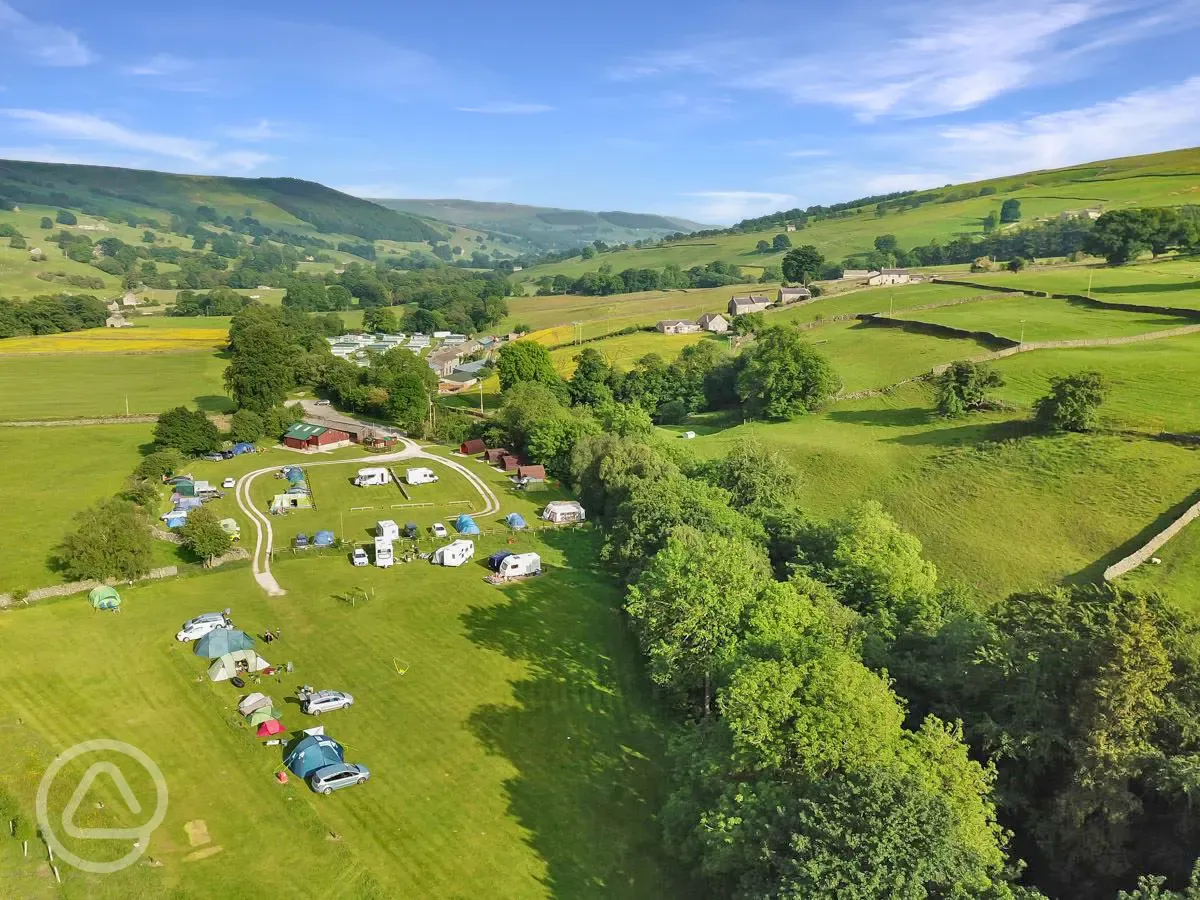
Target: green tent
x,y
104,597
221,641
264,714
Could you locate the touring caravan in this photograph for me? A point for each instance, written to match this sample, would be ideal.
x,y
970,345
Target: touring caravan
x,y
420,476
372,476
453,554
561,512
384,557
520,564
388,530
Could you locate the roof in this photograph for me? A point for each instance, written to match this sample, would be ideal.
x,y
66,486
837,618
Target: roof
x,y
893,271
531,472
474,445
674,322
711,317
751,300
305,430
800,291
472,367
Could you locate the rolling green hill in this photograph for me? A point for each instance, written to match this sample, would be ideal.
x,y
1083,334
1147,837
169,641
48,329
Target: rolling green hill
x,y
1160,179
276,202
540,228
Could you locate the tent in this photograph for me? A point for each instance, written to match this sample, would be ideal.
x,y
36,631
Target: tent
x,y
312,753
294,474
242,447
264,714
231,528
186,488
187,502
323,539
270,728
515,521
176,518
464,524
252,702
282,502
104,597
234,663
221,641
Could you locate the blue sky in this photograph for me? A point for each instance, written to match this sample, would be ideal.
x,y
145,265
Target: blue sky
x,y
710,110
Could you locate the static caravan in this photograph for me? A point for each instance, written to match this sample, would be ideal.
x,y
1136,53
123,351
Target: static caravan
x,y
388,530
454,554
420,476
373,476
384,557
520,564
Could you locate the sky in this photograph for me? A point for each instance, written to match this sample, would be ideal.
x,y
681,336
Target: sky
x,y
709,110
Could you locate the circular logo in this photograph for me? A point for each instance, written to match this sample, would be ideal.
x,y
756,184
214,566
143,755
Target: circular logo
x,y
140,835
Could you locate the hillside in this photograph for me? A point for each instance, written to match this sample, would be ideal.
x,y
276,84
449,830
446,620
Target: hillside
x,y
276,202
541,228
944,214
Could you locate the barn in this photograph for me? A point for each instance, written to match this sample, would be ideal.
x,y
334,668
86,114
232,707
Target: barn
x,y
307,436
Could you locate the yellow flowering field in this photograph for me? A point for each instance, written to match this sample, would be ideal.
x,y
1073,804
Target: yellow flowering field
x,y
119,340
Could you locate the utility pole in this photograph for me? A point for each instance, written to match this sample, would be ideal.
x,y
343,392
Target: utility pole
x,y
1090,274
1022,332
481,396
127,396
891,302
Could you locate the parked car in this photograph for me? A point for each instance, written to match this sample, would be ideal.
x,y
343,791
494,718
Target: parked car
x,y
300,542
439,530
229,482
359,557
325,701
196,628
227,454
328,779
323,403
213,457
410,530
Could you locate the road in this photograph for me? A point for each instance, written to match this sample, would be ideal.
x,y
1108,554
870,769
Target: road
x,y
260,561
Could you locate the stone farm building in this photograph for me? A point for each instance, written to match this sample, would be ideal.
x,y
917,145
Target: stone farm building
x,y
714,322
742,304
677,326
309,436
794,294
889,276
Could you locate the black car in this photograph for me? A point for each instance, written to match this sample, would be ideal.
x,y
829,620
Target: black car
x,y
410,530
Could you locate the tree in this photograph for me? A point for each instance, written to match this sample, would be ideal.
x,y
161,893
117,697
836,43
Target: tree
x,y
160,463
990,221
65,217
379,319
260,373
689,606
781,242
203,534
46,223
112,541
1016,264
1120,236
590,384
783,375
802,263
1073,403
1010,211
759,479
149,237
246,425
748,323
762,247
886,243
521,361
963,387
186,430
672,412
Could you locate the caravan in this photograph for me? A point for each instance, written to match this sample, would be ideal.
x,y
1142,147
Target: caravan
x,y
518,565
384,557
453,554
420,476
388,530
375,475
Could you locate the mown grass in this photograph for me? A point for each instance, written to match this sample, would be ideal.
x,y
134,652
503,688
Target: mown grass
x,y
601,315
518,756
1172,282
64,386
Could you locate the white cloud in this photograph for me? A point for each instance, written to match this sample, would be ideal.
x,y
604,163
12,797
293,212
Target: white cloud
x,y
733,206
505,108
262,130
44,43
808,154
89,129
159,64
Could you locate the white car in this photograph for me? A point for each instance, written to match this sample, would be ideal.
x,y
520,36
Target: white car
x,y
359,557
229,482
439,530
205,623
325,701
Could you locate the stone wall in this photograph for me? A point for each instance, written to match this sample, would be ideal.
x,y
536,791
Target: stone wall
x,y
1139,556
80,587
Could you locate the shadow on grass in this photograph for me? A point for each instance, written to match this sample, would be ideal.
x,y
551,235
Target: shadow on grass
x,y
1094,573
969,434
214,403
1157,288
912,417
581,733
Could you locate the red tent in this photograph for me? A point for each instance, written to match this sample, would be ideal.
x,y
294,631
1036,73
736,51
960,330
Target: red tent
x,y
270,728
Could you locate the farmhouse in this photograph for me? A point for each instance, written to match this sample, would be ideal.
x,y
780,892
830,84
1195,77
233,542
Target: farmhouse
x,y
742,304
677,326
794,294
308,436
791,226
714,322
889,276
117,321
130,299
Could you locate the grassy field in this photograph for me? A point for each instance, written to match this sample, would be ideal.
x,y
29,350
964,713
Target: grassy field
x,y
873,357
159,339
1018,317
601,315
1173,282
518,756
64,386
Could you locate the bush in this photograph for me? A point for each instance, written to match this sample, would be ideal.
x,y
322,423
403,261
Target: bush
x,y
673,412
246,425
1073,403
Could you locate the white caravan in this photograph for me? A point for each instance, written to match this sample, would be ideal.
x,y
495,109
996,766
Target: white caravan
x,y
373,476
420,476
388,530
384,557
453,554
520,564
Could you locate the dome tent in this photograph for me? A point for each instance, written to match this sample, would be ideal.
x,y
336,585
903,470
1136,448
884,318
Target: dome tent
x,y
312,753
221,641
104,597
323,539
464,524
515,521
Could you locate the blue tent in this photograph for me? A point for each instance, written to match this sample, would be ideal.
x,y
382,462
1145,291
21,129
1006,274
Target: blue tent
x,y
312,753
323,538
514,521
242,447
175,518
222,641
294,474
464,524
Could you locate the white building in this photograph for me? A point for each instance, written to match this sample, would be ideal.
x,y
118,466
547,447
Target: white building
x,y
889,276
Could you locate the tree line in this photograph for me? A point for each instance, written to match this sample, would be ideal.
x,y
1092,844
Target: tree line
x,y
51,314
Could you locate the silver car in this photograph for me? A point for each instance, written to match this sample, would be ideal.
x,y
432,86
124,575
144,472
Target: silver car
x,y
325,701
328,779
196,628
